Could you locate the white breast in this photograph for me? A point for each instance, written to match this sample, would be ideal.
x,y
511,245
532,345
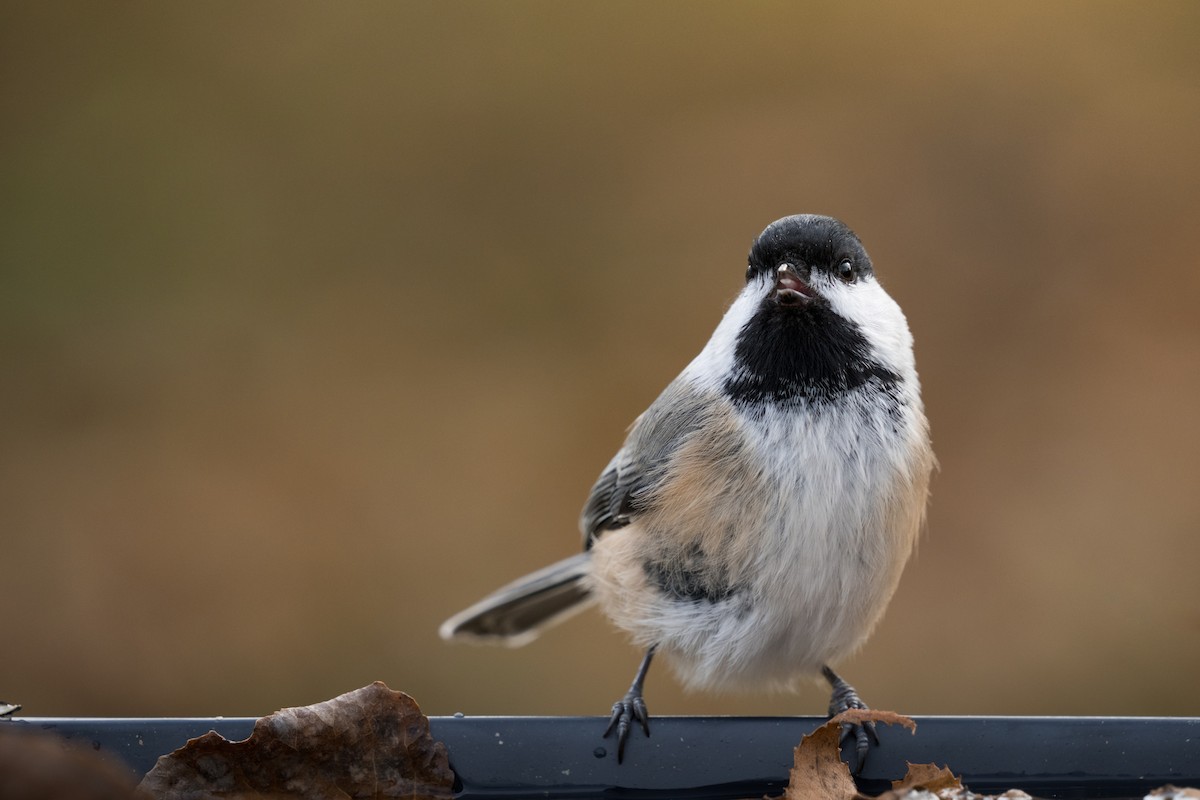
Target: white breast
x,y
807,517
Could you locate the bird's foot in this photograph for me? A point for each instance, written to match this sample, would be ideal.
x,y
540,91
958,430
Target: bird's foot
x,y
625,712
631,708
844,698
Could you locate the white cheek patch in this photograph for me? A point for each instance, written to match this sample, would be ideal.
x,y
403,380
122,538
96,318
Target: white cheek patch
x,y
877,315
709,369
864,303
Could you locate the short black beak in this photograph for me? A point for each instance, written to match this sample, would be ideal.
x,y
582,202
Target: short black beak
x,y
791,286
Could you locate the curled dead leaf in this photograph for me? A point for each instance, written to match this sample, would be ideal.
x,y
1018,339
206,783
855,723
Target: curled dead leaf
x,y
818,772
369,743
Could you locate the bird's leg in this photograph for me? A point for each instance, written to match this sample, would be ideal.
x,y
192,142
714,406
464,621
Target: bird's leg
x,y
631,708
844,697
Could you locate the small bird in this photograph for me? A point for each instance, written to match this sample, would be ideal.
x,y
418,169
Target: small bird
x,y
753,526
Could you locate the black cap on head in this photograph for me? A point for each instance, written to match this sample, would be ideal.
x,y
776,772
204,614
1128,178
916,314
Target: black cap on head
x,y
796,347
809,240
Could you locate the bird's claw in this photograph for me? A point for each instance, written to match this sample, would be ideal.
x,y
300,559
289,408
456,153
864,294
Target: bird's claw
x,y
629,709
864,737
845,698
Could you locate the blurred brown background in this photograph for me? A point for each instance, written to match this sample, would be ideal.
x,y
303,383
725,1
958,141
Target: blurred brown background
x,y
320,319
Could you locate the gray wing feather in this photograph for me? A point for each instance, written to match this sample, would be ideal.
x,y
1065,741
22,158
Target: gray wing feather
x,y
623,488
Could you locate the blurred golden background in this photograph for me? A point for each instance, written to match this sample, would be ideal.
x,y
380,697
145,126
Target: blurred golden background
x,y
319,320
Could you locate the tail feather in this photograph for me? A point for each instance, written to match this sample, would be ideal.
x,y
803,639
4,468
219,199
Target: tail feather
x,y
515,614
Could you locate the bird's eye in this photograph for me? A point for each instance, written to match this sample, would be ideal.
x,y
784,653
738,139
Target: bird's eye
x,y
847,271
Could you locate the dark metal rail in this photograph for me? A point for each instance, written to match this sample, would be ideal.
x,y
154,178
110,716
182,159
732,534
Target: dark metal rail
x,y
740,757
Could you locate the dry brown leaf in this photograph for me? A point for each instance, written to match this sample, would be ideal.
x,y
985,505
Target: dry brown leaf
x,y
927,776
35,765
369,743
857,716
818,772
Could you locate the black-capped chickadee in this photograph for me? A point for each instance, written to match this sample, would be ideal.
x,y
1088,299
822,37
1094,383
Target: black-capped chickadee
x,y
755,523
